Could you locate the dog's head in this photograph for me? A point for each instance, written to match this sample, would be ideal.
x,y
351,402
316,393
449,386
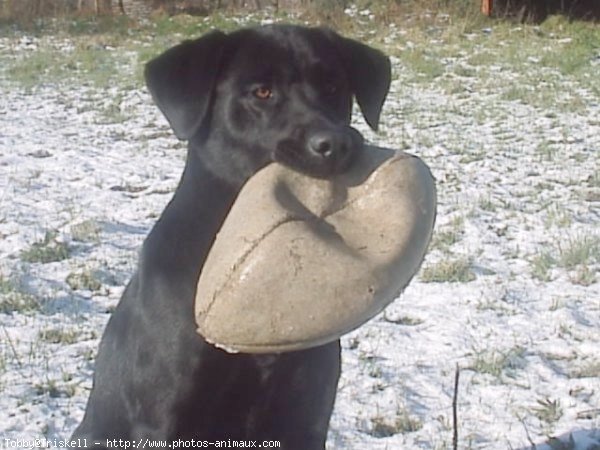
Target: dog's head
x,y
277,93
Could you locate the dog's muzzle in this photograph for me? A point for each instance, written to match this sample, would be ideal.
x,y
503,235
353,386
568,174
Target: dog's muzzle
x,y
321,152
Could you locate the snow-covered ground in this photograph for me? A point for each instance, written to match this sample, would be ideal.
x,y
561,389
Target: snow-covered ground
x,y
84,173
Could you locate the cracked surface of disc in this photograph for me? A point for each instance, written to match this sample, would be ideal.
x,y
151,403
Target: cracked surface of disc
x,y
300,261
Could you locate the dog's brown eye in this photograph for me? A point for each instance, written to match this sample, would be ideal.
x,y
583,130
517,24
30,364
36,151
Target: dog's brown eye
x,y
263,93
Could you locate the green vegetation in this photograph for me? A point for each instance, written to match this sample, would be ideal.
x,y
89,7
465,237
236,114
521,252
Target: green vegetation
x,y
86,231
59,336
450,270
434,33
402,422
47,250
496,363
577,254
439,47
549,411
15,299
83,280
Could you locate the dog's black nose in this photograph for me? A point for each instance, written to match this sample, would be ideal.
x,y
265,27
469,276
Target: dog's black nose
x,y
326,144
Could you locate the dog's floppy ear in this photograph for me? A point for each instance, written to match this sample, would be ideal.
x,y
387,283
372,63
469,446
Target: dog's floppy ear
x,y
369,72
182,79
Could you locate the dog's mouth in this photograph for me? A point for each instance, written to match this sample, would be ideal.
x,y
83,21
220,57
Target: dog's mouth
x,y
321,154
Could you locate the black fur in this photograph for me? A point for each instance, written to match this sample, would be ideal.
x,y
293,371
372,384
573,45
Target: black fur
x,y
156,378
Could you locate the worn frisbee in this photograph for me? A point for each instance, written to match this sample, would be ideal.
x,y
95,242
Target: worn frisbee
x,y
300,261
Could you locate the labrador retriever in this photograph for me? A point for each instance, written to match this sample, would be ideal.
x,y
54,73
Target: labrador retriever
x,y
242,100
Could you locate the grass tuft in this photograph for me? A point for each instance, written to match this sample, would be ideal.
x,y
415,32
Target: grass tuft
x,y
541,264
579,255
401,423
84,280
59,336
548,411
86,231
496,363
581,250
13,299
46,251
449,271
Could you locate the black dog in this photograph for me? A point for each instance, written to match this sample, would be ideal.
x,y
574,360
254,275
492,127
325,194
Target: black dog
x,y
276,93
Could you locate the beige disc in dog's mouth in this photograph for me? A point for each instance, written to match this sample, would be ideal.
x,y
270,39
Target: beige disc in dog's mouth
x,y
300,261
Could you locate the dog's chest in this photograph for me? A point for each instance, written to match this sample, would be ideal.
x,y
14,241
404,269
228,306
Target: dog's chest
x,y
265,366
